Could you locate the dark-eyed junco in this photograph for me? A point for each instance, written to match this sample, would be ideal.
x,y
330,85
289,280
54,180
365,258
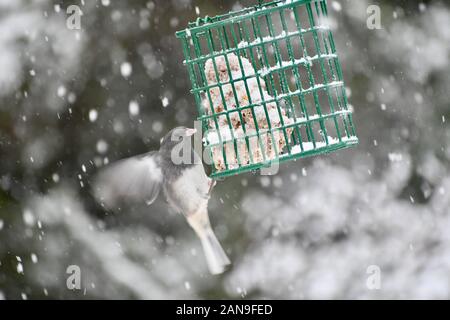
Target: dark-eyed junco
x,y
178,170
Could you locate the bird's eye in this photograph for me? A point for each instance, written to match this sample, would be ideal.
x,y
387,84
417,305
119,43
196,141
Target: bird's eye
x,y
161,140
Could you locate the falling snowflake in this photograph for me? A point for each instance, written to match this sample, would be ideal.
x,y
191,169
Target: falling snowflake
x,y
126,69
133,108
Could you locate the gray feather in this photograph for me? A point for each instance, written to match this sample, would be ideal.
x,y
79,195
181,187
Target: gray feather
x,y
136,179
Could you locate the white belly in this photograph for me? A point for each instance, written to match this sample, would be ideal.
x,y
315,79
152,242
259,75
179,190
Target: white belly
x,y
191,190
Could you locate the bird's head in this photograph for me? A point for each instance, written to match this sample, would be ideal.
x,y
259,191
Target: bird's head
x,y
174,137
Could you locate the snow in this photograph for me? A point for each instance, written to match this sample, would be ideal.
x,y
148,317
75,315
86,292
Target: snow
x,y
394,156
55,177
28,217
336,6
157,126
325,219
418,97
315,88
102,146
165,102
126,69
283,34
309,145
277,182
265,182
19,267
133,108
11,75
93,115
283,64
71,98
61,91
422,7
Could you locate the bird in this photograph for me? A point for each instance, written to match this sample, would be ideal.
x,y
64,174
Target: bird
x,y
177,170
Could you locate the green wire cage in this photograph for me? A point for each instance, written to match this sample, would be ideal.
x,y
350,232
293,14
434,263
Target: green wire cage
x,y
268,85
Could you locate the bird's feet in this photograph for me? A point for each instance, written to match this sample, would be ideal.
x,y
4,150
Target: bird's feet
x,y
212,184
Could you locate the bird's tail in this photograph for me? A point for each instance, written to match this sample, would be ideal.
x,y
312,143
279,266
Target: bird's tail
x,y
216,257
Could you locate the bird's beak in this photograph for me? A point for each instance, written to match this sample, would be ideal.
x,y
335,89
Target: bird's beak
x,y
190,132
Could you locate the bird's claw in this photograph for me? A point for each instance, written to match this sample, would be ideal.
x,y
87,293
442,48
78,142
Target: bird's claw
x,y
212,184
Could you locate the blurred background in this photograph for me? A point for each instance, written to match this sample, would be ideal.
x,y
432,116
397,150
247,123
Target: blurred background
x,y
73,100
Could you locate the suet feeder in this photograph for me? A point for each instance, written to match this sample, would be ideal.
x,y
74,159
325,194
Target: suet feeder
x,y
268,85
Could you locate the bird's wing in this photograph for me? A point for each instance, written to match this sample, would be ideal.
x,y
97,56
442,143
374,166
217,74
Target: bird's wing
x,y
137,179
